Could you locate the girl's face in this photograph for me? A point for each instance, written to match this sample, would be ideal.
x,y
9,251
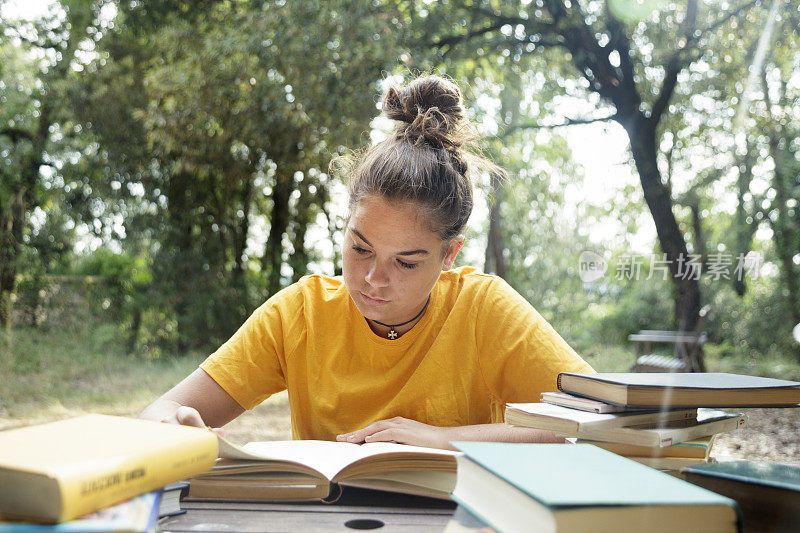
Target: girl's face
x,y
392,259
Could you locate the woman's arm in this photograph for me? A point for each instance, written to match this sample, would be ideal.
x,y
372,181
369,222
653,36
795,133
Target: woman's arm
x,y
196,401
406,431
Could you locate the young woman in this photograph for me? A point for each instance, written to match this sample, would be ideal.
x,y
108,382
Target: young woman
x,y
402,347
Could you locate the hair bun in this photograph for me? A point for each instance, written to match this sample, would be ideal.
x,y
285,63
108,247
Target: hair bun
x,y
431,110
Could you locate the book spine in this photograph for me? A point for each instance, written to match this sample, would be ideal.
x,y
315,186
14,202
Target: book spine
x,y
94,486
664,436
678,435
625,420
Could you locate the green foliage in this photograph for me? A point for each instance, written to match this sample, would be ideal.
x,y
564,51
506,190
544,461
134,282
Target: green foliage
x,y
740,324
642,304
188,144
194,172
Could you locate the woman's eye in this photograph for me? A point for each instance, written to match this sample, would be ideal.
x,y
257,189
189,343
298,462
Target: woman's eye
x,y
407,265
360,250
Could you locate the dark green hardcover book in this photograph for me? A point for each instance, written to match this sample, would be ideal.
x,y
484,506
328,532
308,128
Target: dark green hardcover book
x,y
768,494
566,488
676,389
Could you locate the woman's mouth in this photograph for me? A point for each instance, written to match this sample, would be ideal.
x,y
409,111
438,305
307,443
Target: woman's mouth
x,y
374,301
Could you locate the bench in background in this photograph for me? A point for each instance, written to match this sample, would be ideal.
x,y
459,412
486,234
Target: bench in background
x,y
687,346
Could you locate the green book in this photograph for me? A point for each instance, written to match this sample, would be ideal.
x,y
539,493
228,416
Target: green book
x,y
768,494
559,488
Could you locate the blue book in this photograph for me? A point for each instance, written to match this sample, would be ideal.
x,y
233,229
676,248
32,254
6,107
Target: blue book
x,y
136,515
568,488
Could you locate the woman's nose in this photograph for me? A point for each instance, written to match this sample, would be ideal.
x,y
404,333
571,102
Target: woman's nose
x,y
376,276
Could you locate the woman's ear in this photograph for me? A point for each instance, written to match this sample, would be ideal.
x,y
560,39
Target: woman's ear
x,y
452,251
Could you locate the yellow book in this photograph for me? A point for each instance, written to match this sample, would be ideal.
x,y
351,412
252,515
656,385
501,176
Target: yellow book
x,y
62,470
694,449
668,463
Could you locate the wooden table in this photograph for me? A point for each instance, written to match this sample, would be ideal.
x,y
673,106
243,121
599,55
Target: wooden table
x,y
357,509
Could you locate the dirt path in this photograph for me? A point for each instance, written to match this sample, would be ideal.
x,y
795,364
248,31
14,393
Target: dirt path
x,y
769,435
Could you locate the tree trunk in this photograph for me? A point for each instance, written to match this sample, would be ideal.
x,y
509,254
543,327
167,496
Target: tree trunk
x,y
181,273
333,229
300,222
697,230
743,231
642,134
136,326
13,215
272,259
242,229
495,260
784,236
9,249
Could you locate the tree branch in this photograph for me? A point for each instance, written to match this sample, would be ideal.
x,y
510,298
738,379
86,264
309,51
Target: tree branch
x,y
675,64
673,68
567,122
497,21
716,24
468,36
493,15
587,54
621,43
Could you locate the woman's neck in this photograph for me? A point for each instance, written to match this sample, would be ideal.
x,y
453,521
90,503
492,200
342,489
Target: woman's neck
x,y
395,331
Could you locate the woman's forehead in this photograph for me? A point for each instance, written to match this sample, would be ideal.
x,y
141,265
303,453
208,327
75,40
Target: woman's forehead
x,y
399,224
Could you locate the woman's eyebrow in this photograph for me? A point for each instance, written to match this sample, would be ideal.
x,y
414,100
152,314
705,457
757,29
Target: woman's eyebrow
x,y
419,251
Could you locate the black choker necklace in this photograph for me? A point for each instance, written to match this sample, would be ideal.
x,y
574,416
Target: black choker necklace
x,y
392,333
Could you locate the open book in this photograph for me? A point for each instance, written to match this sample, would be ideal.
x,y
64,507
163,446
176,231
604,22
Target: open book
x,y
311,469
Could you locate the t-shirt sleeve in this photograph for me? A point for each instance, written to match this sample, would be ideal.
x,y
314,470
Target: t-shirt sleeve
x,y
520,354
251,365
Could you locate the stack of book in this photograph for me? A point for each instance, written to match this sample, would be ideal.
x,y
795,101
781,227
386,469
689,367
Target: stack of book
x,y
667,421
96,472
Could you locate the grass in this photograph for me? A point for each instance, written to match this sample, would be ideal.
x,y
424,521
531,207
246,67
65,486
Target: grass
x,y
772,364
45,373
608,358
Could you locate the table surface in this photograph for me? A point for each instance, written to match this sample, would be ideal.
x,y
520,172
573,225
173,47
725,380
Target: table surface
x,y
356,509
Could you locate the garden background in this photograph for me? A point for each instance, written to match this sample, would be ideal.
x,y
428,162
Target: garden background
x,y
164,170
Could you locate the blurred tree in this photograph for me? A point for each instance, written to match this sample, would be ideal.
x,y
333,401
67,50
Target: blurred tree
x,y
780,120
215,129
40,59
739,146
628,53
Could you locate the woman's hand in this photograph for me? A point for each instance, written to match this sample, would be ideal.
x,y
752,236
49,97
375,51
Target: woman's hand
x,y
185,416
403,431
182,415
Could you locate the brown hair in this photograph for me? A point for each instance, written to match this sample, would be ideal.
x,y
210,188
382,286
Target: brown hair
x,y
426,160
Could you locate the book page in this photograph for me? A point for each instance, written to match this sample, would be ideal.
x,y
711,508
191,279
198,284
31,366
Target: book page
x,y
587,419
326,457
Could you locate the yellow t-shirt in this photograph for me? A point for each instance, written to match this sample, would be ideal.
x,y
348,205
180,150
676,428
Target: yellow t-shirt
x,y
478,346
